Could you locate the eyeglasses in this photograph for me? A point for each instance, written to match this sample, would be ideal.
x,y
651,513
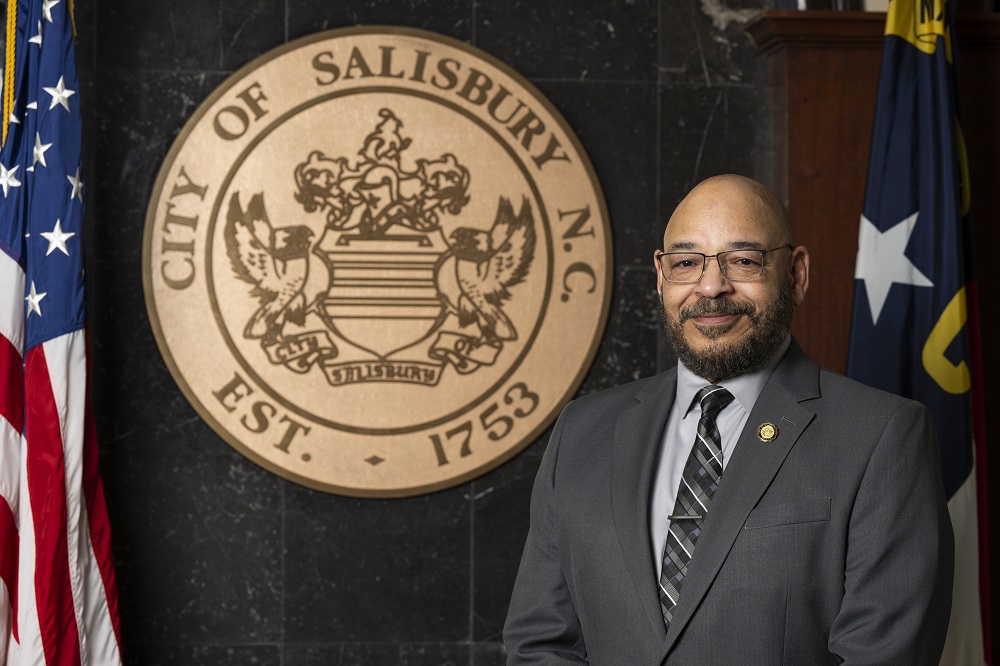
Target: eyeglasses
x,y
734,264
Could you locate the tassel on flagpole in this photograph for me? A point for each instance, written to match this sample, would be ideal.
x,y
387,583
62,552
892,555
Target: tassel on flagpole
x,y
8,71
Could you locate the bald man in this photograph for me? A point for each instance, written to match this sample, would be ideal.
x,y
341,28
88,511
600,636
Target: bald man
x,y
747,506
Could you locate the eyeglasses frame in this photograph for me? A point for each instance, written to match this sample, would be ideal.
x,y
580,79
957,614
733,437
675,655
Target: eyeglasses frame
x,y
704,265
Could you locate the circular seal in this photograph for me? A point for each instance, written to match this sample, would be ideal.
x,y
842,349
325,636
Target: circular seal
x,y
767,432
377,261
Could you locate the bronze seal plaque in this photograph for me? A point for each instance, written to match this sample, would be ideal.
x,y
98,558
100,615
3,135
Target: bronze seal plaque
x,y
377,262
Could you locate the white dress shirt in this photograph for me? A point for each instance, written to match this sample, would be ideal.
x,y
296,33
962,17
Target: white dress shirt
x,y
680,432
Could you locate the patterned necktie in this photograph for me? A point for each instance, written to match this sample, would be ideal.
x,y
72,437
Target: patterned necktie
x,y
694,495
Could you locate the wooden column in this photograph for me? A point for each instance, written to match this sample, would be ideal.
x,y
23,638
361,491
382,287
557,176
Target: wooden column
x,y
824,73
824,77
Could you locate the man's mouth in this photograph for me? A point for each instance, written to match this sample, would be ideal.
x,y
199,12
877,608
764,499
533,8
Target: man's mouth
x,y
715,319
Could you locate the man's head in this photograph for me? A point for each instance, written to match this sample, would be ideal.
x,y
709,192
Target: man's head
x,y
722,327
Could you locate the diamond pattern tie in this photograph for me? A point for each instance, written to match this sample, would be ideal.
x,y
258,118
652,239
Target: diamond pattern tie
x,y
694,495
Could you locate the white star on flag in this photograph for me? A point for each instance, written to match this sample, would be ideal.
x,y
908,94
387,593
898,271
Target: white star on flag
x,y
14,119
7,179
77,185
34,298
57,239
60,94
882,261
47,6
39,151
37,39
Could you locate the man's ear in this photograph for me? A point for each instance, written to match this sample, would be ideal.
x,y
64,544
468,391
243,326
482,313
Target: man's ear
x,y
659,275
799,268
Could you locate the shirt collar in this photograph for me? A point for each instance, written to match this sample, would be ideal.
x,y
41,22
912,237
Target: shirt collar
x,y
745,388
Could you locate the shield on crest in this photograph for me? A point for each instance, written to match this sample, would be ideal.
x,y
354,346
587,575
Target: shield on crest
x,y
383,294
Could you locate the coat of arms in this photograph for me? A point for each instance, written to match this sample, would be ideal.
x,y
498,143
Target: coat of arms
x,y
382,276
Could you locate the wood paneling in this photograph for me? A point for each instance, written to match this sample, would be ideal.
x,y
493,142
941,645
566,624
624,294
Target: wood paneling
x,y
824,76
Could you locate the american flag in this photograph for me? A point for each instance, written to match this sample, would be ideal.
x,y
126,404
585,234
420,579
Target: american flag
x,y
58,604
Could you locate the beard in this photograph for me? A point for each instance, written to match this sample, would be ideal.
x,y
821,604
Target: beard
x,y
768,329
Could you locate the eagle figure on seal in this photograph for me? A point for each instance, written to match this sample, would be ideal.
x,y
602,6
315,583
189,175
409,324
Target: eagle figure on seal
x,y
487,264
277,262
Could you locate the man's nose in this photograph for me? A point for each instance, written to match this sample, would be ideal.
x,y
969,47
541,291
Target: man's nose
x,y
713,283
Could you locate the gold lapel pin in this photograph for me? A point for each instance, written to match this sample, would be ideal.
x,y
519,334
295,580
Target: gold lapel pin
x,y
767,432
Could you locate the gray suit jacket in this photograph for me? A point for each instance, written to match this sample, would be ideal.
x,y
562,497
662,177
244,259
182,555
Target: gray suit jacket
x,y
831,544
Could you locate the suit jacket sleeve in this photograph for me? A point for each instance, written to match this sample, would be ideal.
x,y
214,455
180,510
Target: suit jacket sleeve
x,y
542,625
900,555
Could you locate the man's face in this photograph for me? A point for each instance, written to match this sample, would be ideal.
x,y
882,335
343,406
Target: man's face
x,y
721,328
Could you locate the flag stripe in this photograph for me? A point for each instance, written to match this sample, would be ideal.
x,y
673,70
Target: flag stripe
x,y
28,649
66,363
11,422
8,569
11,304
12,401
47,493
965,644
10,462
101,633
100,539
91,580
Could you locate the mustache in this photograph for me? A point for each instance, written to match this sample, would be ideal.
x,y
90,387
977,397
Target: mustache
x,y
712,306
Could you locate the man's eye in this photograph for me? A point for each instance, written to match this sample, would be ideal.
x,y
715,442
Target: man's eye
x,y
743,261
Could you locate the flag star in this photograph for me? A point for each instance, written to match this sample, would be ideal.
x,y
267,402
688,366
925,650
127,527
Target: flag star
x,y
14,119
60,94
7,179
32,105
47,6
37,39
882,261
39,151
34,298
57,239
77,185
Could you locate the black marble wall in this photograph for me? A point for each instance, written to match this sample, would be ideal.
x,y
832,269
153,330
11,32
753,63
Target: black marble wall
x,y
220,562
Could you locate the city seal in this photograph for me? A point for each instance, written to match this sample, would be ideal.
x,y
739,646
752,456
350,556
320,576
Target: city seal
x,y
377,262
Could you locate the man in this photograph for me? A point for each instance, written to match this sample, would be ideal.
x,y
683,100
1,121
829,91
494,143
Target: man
x,y
806,524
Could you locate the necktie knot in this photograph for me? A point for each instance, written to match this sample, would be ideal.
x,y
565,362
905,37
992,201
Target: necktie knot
x,y
713,399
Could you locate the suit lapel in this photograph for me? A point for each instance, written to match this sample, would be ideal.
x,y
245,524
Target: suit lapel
x,y
638,431
748,474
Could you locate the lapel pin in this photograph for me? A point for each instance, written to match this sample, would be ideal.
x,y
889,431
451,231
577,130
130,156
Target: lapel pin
x,y
767,432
